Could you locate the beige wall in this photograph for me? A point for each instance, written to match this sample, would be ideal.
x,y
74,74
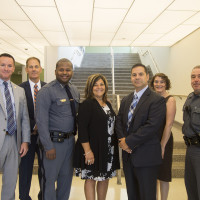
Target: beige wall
x,y
177,62
183,57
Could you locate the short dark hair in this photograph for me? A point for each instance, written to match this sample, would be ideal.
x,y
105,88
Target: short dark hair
x,y
32,58
9,56
164,77
140,65
92,79
63,60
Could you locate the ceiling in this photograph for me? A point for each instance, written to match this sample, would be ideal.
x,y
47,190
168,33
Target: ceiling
x,y
27,26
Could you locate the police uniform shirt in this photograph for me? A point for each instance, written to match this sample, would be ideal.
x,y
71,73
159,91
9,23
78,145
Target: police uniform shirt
x,y
53,111
191,115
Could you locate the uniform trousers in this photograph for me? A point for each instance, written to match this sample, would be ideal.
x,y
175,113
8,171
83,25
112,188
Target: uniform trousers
x,y
9,161
140,181
192,172
60,169
26,170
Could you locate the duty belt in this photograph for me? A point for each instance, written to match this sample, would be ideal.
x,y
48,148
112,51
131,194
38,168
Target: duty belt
x,y
60,136
195,140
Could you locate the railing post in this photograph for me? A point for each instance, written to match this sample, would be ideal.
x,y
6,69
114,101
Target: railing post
x,y
113,71
119,172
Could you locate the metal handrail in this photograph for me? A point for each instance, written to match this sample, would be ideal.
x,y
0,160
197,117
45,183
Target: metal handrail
x,y
151,57
119,172
113,71
179,95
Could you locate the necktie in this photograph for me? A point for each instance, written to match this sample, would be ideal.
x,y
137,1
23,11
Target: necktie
x,y
72,104
131,110
35,93
9,108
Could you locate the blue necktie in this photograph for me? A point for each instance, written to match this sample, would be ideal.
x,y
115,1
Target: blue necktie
x,y
131,110
10,113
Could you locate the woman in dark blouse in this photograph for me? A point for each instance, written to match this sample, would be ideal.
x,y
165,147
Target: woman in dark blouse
x,y
96,153
161,84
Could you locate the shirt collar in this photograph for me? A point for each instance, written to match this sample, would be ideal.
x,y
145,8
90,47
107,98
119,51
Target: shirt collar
x,y
141,92
32,84
1,82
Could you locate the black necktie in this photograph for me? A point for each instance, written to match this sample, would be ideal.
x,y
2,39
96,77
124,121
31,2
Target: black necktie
x,y
72,104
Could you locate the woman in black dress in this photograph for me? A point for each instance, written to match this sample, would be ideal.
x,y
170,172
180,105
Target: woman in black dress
x,y
96,152
160,83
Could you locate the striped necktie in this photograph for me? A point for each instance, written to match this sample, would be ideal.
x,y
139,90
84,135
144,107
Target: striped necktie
x,y
11,126
35,93
131,110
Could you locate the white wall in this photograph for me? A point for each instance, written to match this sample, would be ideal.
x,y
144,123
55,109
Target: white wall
x,y
53,54
183,57
156,57
177,62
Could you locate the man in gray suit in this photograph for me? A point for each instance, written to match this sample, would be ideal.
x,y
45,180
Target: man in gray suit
x,y
14,129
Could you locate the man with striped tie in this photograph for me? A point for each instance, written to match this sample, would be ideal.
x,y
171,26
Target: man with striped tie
x,y
138,124
14,127
31,87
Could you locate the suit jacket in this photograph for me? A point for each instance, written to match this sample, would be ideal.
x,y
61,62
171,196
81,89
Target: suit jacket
x,y
143,134
29,98
22,118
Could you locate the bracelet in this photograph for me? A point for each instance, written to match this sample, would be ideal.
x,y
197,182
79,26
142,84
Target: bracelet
x,y
87,153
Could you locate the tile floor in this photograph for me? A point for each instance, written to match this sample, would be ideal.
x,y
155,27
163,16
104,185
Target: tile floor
x,y
115,192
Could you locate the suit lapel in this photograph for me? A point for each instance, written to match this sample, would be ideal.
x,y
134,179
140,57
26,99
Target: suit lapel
x,y
42,83
143,98
2,103
29,97
127,106
16,97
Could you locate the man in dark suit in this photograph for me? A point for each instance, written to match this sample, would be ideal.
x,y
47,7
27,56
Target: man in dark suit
x,y
138,127
31,87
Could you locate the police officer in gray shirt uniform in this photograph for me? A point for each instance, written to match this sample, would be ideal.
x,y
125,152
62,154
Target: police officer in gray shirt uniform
x,y
191,131
56,107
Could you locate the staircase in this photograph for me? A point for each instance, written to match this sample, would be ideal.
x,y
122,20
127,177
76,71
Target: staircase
x,y
178,164
101,63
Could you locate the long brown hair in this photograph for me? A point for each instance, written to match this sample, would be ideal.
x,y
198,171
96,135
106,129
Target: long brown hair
x,y
92,79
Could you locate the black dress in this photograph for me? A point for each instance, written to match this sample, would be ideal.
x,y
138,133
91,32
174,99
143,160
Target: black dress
x,y
96,126
165,172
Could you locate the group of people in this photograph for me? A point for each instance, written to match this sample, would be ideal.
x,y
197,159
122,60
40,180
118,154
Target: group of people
x,y
44,119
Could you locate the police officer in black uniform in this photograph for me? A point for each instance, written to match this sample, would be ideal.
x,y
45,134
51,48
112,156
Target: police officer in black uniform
x,y
191,131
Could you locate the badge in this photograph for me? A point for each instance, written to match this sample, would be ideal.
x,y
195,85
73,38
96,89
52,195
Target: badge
x,y
62,100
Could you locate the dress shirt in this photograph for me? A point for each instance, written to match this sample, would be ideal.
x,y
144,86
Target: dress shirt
x,y
140,93
32,84
2,88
